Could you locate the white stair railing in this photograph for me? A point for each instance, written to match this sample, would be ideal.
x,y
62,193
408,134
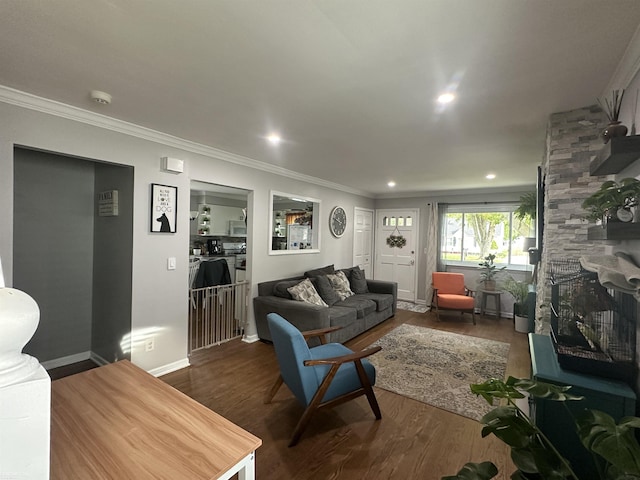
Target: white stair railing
x,y
25,391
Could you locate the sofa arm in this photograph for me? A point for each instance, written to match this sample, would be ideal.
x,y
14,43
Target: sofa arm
x,y
381,286
303,316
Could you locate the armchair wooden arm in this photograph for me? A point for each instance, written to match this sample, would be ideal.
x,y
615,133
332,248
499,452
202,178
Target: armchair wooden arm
x,y
352,357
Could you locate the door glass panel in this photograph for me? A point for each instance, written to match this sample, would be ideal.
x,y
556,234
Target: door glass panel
x,y
409,222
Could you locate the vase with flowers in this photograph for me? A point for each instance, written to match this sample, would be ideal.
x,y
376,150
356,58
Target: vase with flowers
x,y
611,106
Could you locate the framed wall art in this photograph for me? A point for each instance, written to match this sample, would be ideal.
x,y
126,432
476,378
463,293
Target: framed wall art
x,y
164,203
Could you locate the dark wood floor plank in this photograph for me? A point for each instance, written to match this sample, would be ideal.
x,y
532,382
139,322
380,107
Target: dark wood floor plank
x,y
413,440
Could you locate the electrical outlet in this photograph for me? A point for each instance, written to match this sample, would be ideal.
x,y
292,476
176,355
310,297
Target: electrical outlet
x,y
149,345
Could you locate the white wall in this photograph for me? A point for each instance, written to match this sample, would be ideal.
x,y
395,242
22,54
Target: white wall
x,y
159,296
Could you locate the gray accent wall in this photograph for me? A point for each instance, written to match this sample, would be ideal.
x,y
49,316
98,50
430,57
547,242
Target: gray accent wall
x,y
112,260
74,263
53,248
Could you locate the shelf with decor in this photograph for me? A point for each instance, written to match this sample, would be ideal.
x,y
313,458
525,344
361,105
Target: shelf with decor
x,y
616,155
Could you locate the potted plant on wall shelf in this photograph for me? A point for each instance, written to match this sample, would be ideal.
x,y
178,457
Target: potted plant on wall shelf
x,y
519,290
488,272
611,107
613,201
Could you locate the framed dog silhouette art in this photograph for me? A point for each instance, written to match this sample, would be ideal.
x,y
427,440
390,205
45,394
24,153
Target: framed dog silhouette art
x,y
164,203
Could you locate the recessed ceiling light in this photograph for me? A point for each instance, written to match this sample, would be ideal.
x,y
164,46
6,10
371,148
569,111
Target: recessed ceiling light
x,y
490,176
274,139
100,97
391,184
446,98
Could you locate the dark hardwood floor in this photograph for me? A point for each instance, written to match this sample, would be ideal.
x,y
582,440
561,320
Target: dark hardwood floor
x,y
413,440
71,369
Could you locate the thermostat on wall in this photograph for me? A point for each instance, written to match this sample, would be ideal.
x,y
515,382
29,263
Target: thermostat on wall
x,y
172,165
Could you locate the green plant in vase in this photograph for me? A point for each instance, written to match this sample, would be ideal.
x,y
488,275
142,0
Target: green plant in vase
x,y
613,201
489,271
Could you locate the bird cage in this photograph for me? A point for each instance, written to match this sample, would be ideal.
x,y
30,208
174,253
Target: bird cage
x,y
593,328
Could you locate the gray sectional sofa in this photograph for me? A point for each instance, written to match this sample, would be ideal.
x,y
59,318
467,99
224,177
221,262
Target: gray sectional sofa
x,y
373,302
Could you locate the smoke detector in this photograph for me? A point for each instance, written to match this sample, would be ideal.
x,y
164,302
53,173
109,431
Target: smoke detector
x,y
100,97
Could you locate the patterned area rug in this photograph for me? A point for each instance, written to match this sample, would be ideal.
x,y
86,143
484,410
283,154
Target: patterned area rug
x,y
436,367
412,307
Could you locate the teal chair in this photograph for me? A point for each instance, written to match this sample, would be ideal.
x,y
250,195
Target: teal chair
x,y
321,376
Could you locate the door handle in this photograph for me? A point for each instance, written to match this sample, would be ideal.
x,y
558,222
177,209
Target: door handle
x,y
412,262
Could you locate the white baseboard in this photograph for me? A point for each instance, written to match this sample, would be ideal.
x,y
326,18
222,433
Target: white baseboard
x,y
98,359
170,367
420,302
250,338
69,359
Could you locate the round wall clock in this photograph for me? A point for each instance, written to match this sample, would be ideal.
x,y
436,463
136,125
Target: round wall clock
x,y
338,221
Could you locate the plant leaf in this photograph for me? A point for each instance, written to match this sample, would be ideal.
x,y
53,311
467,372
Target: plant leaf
x,y
615,443
475,471
508,425
548,391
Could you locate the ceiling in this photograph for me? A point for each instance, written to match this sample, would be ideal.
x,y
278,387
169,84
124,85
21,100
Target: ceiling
x,y
350,85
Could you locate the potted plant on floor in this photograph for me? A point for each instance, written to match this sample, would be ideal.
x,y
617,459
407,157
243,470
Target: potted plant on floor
x,y
519,290
614,446
488,272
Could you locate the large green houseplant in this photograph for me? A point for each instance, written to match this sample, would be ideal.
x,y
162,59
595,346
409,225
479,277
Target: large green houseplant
x,y
519,290
612,200
615,448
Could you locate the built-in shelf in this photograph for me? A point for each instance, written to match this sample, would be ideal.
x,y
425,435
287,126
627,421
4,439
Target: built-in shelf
x,y
614,231
616,155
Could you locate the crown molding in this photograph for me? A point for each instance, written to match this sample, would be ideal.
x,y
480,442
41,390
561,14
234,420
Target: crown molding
x,y
51,107
628,66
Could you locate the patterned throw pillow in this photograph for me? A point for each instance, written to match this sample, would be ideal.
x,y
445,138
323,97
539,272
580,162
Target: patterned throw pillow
x,y
340,284
306,292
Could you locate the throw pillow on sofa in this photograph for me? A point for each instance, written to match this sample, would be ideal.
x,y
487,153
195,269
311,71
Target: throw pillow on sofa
x,y
320,271
358,281
325,289
282,288
340,284
306,292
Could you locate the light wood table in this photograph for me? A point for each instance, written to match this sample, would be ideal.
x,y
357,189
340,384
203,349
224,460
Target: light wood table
x,y
118,421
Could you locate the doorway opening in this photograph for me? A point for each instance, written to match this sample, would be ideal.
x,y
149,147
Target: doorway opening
x,y
75,262
218,266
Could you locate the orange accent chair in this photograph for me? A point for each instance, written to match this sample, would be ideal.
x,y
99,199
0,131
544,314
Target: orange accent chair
x,y
450,293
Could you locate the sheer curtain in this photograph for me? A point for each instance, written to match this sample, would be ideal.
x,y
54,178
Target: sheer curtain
x,y
432,237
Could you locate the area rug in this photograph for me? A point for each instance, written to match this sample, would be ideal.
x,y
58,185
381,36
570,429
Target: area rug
x,y
437,367
412,307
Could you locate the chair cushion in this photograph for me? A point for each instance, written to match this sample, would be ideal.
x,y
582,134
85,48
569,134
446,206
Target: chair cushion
x,y
383,300
306,292
358,281
446,282
346,379
363,306
461,302
291,351
325,289
340,284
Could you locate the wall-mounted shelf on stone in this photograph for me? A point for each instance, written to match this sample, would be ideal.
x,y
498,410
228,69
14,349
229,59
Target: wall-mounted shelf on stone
x,y
616,155
614,231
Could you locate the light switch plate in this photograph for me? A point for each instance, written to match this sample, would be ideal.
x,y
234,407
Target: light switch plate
x,y
171,263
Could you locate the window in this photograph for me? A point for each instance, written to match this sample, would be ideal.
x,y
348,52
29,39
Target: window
x,y
471,232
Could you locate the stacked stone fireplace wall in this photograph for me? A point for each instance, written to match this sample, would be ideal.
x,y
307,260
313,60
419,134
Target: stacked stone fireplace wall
x,y
573,139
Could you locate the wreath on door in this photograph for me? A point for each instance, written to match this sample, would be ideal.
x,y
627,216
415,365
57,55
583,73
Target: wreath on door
x,y
396,240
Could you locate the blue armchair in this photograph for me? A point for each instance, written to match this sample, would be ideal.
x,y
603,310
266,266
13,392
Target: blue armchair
x,y
321,376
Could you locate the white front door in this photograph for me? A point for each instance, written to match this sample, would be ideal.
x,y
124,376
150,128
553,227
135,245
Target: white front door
x,y
397,263
363,240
